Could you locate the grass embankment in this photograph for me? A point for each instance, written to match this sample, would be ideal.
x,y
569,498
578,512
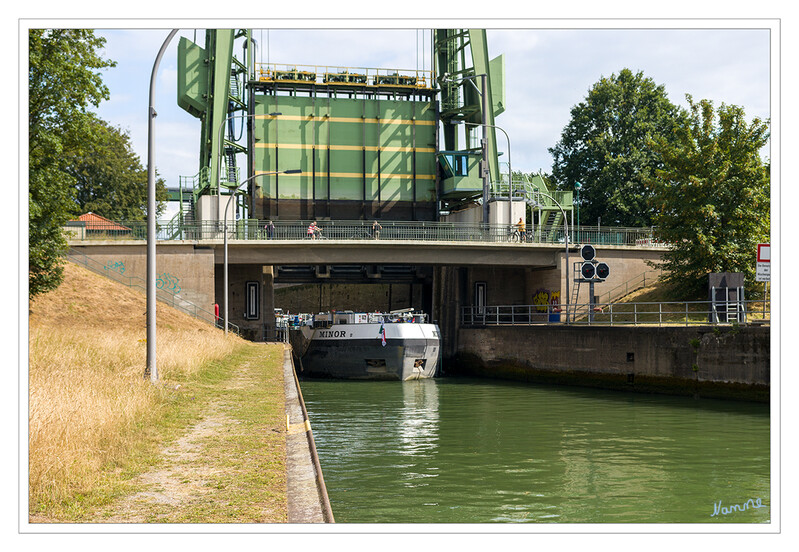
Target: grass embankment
x,y
203,445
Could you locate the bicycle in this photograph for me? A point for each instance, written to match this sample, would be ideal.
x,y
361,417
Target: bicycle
x,y
514,235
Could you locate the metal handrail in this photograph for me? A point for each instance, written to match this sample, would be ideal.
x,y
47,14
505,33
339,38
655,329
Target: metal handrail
x,y
327,74
197,183
667,313
633,284
163,295
523,187
425,231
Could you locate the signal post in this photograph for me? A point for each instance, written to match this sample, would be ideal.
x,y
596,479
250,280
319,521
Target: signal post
x,y
592,271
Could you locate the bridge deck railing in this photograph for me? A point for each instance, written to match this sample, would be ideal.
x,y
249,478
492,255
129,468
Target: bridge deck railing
x,y
675,313
252,229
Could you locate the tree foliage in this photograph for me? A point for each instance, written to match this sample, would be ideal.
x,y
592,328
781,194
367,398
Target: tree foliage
x,y
712,195
110,179
63,81
604,148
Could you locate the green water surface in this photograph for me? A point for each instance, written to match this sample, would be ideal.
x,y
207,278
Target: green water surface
x,y
457,450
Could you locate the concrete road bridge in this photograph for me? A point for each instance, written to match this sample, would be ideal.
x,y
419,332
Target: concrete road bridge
x,y
437,267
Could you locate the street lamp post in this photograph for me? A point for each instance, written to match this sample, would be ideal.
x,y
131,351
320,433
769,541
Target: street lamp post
x,y
227,206
566,227
510,172
151,368
484,142
577,187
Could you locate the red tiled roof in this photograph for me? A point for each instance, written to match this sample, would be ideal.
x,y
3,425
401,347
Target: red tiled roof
x,y
96,222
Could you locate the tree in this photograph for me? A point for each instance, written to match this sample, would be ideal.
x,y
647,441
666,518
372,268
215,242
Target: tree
x,y
712,196
604,148
62,83
109,176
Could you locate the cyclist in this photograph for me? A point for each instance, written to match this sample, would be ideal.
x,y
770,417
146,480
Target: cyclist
x,y
313,230
521,228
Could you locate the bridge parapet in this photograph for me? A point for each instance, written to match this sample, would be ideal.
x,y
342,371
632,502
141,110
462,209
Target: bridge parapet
x,y
366,230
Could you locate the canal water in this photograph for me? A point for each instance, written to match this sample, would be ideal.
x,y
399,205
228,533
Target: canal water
x,y
459,450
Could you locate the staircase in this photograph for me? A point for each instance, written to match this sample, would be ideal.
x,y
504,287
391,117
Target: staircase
x,y
552,220
532,192
230,165
234,87
182,223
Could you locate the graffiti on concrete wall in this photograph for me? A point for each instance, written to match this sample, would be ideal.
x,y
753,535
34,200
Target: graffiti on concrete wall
x,y
546,300
117,266
541,299
554,301
168,282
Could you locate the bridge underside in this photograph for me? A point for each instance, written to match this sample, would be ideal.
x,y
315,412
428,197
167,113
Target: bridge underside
x,y
438,290
438,278
352,274
333,252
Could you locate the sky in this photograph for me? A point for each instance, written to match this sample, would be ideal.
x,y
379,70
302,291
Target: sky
x,y
547,72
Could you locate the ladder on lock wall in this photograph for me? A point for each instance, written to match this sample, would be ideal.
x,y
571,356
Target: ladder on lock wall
x,y
575,296
732,309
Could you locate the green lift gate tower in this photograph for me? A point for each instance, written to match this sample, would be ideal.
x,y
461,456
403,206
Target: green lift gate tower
x,y
366,142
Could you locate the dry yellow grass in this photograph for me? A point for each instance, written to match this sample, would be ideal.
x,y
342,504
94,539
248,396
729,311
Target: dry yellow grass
x,y
86,387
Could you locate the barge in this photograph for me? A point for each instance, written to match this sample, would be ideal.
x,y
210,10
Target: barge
x,y
399,345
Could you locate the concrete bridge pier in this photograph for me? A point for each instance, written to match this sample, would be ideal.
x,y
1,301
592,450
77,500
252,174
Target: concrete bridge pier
x,y
252,298
449,294
464,286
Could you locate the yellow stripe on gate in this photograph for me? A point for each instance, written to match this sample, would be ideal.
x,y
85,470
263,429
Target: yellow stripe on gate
x,y
407,149
371,120
383,176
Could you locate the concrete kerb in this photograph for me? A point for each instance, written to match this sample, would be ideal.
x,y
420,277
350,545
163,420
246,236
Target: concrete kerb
x,y
305,495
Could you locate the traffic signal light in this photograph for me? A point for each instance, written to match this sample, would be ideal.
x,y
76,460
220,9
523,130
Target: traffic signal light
x,y
588,271
602,271
587,252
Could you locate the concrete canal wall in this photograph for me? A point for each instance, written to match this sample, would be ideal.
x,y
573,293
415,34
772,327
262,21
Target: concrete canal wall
x,y
181,268
305,485
706,361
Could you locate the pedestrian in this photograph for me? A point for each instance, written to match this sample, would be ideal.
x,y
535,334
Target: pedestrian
x,y
376,230
520,226
270,230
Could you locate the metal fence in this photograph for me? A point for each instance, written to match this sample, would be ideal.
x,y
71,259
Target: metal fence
x,y
163,295
321,74
677,313
251,229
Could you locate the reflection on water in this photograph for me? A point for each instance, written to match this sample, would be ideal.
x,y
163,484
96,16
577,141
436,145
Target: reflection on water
x,y
463,450
417,422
